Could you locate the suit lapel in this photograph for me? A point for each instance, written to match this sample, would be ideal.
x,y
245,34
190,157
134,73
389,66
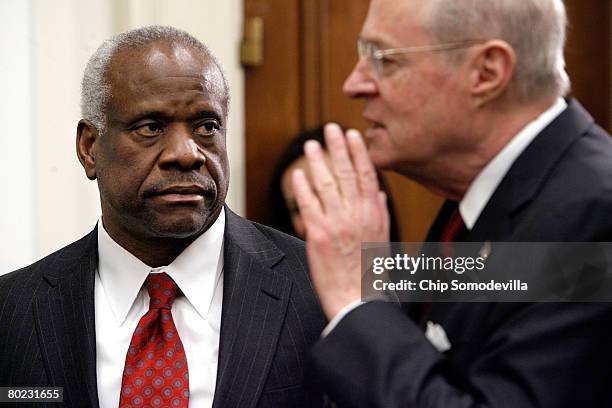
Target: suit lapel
x,y
516,191
255,300
64,316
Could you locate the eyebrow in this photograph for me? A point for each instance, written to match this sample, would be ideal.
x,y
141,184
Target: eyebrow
x,y
379,42
157,114
207,113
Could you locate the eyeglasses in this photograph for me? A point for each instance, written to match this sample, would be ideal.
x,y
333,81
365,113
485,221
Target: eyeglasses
x,y
371,51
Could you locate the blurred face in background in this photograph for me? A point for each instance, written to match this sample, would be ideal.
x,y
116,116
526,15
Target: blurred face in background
x,y
287,189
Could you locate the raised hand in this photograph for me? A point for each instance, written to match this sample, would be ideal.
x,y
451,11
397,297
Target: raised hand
x,y
341,209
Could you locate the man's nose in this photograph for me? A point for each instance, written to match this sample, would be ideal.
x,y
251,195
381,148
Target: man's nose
x,y
361,82
181,149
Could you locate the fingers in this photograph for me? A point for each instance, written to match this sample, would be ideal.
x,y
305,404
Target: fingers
x,y
384,212
341,162
307,201
366,173
322,177
352,178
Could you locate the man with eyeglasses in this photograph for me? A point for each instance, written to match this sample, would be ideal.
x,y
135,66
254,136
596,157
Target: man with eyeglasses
x,y
466,98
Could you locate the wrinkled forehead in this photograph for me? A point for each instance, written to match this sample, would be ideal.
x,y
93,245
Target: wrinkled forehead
x,y
131,70
395,23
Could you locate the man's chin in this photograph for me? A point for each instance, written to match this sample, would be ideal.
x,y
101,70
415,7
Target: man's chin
x,y
381,159
183,226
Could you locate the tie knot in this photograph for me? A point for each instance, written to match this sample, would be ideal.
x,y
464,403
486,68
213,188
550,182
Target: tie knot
x,y
162,290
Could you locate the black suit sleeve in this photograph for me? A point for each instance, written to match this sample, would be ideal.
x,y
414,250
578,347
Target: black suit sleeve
x,y
540,355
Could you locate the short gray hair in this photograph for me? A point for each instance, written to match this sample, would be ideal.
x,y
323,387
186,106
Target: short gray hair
x,y
536,30
96,90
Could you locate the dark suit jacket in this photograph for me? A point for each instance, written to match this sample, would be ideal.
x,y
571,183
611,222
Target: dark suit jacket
x,y
270,317
503,354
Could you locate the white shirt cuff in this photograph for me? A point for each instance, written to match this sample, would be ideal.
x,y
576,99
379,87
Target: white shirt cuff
x,y
334,322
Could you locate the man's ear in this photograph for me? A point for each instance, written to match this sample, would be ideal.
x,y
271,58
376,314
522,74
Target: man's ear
x,y
492,68
87,136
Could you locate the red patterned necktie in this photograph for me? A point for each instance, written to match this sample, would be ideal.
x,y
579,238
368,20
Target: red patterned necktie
x,y
155,372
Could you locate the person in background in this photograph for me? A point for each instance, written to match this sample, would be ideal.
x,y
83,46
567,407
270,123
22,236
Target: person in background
x,y
285,213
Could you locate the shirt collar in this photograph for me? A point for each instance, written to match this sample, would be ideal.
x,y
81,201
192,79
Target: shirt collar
x,y
196,270
485,184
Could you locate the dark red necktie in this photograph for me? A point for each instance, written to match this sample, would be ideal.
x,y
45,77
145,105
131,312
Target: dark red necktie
x,y
454,228
453,231
155,372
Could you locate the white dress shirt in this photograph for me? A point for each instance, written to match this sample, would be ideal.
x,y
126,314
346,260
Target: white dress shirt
x,y
485,183
121,300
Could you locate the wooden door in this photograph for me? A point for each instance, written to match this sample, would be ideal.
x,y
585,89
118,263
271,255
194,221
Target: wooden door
x,y
588,56
310,48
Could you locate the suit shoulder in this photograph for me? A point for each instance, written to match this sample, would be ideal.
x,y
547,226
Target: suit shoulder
x,y
285,242
295,262
586,168
31,274
574,202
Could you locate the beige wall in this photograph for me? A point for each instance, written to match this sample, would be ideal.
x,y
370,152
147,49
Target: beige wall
x,y
64,34
56,204
16,145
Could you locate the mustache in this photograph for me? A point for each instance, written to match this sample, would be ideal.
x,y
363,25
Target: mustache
x,y
203,184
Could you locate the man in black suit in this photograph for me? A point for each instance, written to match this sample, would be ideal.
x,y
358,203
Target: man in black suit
x,y
465,98
172,300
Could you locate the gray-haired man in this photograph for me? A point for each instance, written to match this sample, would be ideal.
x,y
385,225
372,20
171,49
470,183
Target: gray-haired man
x,y
465,97
172,300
